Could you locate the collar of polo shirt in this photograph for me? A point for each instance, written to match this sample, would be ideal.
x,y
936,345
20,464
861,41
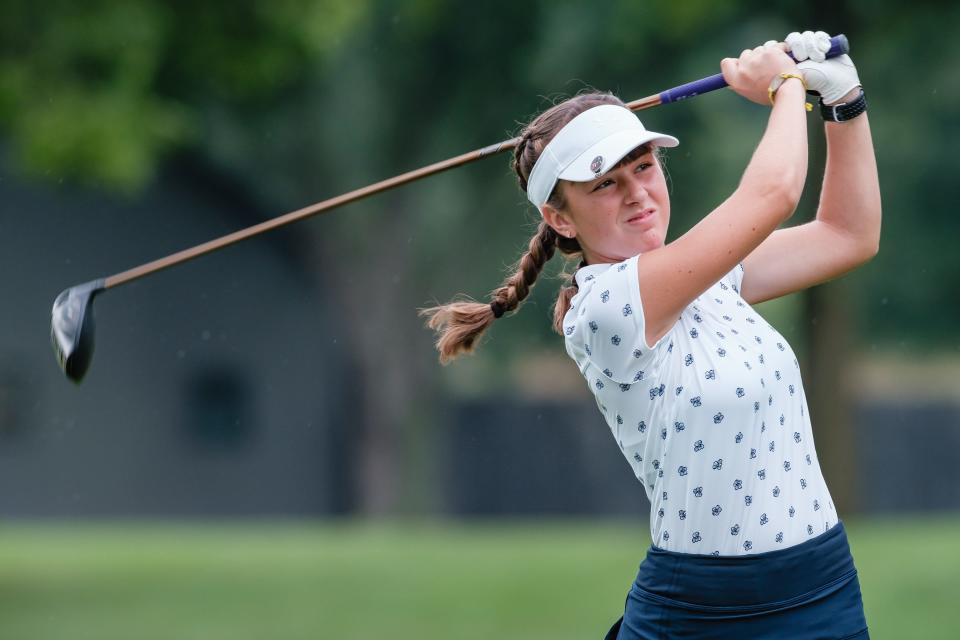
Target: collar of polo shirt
x,y
587,147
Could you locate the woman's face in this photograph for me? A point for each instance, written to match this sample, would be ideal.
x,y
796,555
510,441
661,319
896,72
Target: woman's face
x,y
624,212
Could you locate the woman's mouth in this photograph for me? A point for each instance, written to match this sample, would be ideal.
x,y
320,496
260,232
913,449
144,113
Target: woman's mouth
x,y
640,217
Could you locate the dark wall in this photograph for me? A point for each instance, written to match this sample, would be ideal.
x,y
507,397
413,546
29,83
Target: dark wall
x,y
514,457
908,456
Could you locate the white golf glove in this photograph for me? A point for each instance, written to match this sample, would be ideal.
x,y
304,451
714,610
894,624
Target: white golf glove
x,y
808,45
833,78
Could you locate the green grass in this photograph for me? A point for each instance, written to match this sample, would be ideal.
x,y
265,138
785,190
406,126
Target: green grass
x,y
532,580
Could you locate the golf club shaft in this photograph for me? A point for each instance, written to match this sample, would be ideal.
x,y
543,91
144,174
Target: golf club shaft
x,y
306,212
688,90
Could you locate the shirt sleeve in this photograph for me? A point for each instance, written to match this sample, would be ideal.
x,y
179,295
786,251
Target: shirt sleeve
x,y
606,322
735,278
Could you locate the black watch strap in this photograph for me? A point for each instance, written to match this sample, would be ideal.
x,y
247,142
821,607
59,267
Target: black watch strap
x,y
845,111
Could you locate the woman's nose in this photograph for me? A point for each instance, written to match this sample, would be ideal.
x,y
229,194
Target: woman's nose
x,y
636,190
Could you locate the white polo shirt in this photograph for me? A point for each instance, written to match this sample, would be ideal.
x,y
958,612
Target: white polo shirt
x,y
712,418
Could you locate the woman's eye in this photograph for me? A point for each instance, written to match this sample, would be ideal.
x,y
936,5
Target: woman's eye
x,y
602,185
643,165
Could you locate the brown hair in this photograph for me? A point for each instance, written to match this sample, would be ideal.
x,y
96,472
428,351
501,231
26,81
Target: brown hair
x,y
460,324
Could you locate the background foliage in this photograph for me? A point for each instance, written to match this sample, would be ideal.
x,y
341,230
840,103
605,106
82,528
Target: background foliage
x,y
286,95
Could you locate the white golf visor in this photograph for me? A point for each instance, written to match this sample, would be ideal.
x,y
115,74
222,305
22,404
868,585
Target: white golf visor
x,y
588,146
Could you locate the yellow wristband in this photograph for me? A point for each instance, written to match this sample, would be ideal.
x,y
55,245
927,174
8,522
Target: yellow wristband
x,y
778,81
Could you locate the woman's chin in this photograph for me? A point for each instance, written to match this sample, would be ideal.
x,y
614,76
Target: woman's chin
x,y
649,242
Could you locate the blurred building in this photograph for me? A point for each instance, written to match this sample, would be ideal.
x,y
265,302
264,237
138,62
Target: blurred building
x,y
213,385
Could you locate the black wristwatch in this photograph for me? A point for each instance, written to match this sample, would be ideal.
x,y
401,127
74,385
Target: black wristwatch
x,y
845,111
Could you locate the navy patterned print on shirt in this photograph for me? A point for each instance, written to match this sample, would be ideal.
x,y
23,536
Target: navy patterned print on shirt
x,y
741,474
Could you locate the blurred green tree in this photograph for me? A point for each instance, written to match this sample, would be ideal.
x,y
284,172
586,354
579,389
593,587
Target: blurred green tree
x,y
99,91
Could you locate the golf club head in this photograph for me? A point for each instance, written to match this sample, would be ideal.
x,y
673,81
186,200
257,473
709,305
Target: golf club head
x,y
71,328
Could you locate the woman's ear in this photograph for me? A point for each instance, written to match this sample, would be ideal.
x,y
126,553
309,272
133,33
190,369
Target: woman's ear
x,y
559,221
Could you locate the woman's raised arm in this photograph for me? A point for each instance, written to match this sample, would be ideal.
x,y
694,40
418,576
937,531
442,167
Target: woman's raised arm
x,y
674,275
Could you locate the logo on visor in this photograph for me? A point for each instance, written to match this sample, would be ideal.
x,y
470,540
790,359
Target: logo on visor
x,y
596,165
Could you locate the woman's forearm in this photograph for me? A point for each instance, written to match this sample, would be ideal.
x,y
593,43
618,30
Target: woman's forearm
x,y
850,198
779,164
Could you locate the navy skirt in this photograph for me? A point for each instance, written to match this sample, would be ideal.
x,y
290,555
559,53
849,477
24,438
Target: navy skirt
x,y
808,591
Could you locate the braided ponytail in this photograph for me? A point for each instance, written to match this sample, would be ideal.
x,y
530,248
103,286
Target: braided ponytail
x,y
460,324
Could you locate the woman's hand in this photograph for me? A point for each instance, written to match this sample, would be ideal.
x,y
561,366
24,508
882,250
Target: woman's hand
x,y
751,73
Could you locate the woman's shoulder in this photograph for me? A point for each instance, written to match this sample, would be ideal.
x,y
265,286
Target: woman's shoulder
x,y
604,325
607,294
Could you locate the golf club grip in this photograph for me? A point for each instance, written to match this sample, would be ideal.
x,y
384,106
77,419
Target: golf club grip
x,y
839,45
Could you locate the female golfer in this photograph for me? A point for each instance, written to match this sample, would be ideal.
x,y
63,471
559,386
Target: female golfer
x,y
702,395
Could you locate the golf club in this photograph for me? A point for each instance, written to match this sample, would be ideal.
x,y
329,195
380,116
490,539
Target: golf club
x,y
72,323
